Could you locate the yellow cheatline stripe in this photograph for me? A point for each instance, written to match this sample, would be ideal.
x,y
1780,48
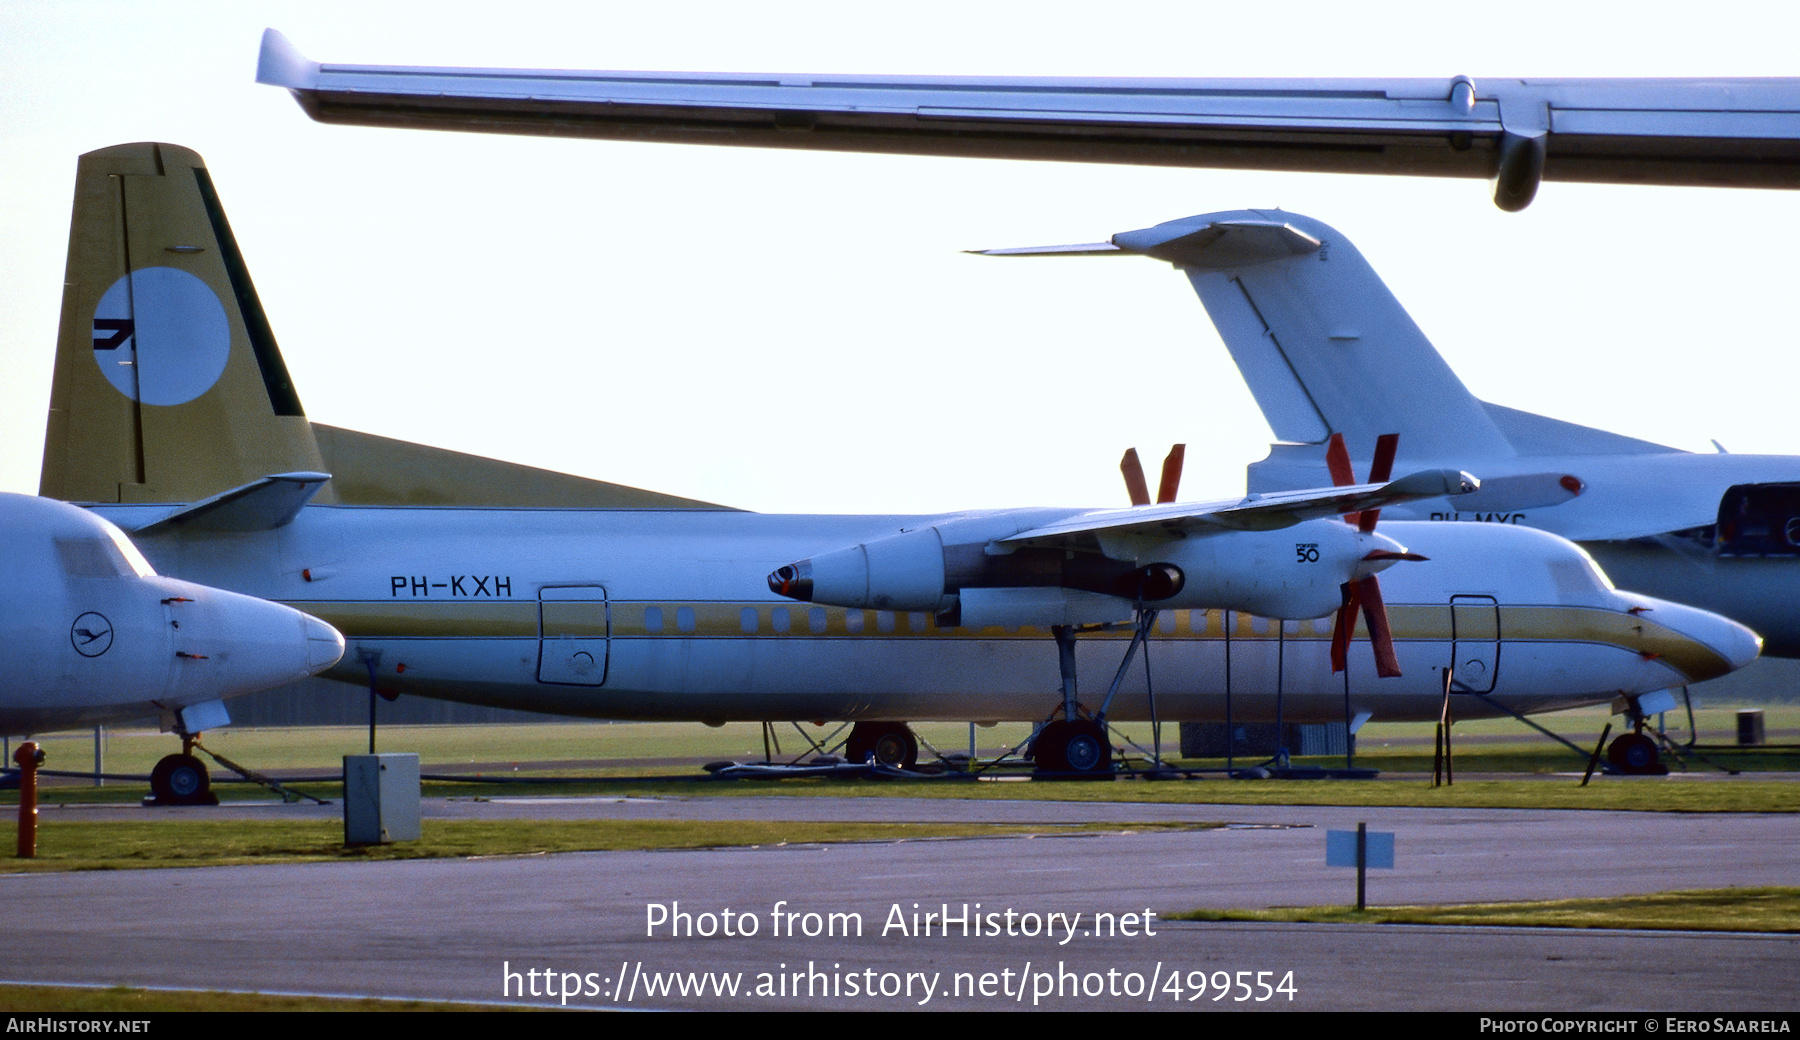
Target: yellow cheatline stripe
x,y
467,619
516,619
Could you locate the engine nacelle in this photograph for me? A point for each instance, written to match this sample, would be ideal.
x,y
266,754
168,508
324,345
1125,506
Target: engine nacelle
x,y
909,570
1294,572
1290,573
901,572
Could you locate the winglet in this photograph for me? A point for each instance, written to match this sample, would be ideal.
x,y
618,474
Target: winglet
x,y
280,64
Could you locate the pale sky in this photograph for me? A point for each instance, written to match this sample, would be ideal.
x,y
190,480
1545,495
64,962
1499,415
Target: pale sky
x,y
800,332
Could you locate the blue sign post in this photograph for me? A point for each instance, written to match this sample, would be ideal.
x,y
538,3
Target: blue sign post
x,y
1362,849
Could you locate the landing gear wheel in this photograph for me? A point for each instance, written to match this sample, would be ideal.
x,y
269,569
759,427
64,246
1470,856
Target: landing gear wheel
x,y
892,744
181,780
1087,750
1079,746
1635,754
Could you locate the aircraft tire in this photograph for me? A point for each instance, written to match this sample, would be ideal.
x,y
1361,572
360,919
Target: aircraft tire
x,y
1634,753
892,744
1087,750
1078,747
181,780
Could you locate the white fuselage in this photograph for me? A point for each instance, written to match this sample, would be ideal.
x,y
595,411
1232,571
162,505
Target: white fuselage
x,y
654,614
96,637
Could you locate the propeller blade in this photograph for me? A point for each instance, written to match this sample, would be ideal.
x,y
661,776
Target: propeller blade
x,y
1381,637
1171,474
1344,628
1134,478
1381,470
1337,460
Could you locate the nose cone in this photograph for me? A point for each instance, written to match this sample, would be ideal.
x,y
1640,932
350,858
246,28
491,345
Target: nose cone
x,y
1736,643
231,644
324,644
1697,643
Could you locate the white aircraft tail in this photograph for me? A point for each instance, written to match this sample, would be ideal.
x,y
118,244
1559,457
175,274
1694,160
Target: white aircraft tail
x,y
1326,348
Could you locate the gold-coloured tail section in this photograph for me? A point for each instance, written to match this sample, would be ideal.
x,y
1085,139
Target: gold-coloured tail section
x,y
168,384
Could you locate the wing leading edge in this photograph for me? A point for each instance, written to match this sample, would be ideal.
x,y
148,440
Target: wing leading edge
x,y
1517,132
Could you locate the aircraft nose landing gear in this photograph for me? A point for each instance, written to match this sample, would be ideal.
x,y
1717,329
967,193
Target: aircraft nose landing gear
x,y
1635,754
181,780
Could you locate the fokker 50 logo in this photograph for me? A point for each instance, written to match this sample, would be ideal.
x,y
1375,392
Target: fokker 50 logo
x,y
92,634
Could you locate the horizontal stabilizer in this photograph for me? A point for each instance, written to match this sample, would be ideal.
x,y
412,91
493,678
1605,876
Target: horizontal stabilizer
x,y
1192,242
263,505
1084,249
1218,244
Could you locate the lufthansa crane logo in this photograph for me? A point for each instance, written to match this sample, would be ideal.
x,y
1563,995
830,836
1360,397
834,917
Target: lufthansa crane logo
x,y
92,634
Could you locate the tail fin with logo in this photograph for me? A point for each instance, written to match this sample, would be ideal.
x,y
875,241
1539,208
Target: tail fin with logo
x,y
169,386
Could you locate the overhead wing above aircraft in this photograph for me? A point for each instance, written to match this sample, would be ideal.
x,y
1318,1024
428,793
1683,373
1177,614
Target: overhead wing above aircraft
x,y
1697,132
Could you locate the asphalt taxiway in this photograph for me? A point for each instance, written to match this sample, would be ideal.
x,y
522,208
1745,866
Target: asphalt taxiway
x,y
455,929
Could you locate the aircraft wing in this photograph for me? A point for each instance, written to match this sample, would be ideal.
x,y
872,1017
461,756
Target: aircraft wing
x,y
1718,132
1256,513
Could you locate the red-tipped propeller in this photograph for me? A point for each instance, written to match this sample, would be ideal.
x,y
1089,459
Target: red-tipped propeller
x,y
1135,485
1365,593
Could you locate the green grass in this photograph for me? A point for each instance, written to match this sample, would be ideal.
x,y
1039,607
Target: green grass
x,y
1638,794
621,758
1484,745
107,845
1723,909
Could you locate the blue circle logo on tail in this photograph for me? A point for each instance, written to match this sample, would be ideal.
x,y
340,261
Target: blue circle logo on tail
x,y
161,336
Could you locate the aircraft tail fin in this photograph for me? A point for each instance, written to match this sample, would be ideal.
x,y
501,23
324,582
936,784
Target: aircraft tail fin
x,y
168,385
1326,348
1321,341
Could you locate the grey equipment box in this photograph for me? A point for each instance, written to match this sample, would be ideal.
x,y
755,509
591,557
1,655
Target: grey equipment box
x,y
381,799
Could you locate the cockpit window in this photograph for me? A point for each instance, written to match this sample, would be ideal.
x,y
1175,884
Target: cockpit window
x,y
94,556
135,559
1577,576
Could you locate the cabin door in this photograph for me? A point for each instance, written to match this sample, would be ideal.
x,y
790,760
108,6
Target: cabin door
x,y
574,635
1474,643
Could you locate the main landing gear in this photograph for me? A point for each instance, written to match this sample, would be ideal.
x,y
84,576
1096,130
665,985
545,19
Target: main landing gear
x,y
890,744
1073,745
